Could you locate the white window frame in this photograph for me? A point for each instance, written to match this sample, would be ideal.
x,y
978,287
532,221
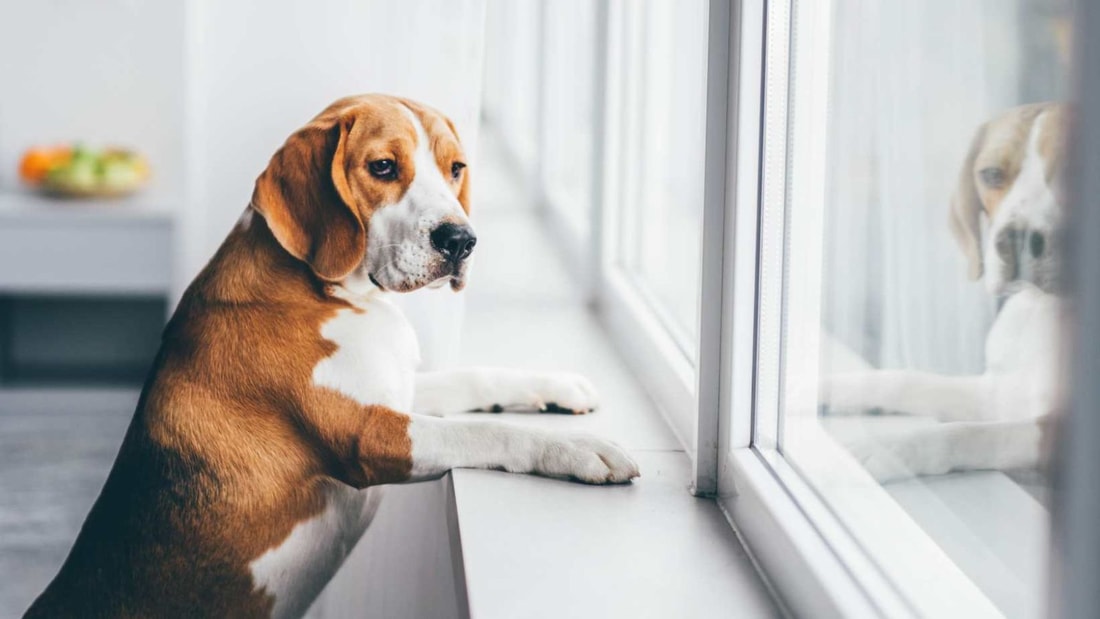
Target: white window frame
x,y
815,561
521,146
580,250
731,430
651,343
656,349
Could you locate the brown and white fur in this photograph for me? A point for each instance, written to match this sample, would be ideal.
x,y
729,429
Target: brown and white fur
x,y
1011,179
284,390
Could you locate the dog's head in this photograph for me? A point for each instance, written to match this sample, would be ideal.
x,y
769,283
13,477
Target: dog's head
x,y
374,189
1012,178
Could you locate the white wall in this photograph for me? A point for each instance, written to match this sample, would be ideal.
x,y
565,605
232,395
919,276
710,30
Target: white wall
x,y
107,72
512,75
406,565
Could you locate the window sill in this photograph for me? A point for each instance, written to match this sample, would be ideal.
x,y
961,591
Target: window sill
x,y
532,547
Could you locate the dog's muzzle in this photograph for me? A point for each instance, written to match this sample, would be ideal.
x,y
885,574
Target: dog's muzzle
x,y
1029,255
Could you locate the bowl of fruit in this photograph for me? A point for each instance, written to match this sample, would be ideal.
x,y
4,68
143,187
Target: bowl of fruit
x,y
80,172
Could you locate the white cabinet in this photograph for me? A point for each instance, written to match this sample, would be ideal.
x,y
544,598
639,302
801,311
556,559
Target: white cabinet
x,y
84,289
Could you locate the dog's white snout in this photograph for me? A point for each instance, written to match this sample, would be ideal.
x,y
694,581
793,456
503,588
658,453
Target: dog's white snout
x,y
1021,253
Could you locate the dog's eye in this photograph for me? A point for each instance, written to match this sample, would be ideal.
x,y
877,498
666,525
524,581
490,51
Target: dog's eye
x,y
992,177
456,169
383,169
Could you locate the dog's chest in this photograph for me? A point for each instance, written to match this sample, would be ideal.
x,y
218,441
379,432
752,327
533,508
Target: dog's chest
x,y
374,363
297,570
1025,338
376,355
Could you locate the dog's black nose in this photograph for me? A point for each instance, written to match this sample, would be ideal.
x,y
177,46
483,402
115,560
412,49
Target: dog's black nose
x,y
455,242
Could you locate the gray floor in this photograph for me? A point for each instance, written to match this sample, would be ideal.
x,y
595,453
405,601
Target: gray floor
x,y
55,451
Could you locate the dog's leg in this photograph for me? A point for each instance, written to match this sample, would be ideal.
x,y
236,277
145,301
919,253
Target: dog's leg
x,y
377,445
439,445
950,398
496,389
948,447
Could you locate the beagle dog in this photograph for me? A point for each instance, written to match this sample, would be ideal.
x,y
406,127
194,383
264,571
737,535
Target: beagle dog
x,y
1007,216
285,391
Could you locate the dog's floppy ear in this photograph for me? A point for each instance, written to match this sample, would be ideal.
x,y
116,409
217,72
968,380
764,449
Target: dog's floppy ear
x,y
304,197
966,209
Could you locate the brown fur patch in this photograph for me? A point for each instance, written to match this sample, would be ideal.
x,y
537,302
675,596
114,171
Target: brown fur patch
x,y
446,146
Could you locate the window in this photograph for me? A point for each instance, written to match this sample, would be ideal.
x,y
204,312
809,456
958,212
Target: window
x,y
662,194
653,197
897,278
618,93
543,105
512,66
810,251
569,113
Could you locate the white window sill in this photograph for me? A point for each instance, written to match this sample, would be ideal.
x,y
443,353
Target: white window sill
x,y
535,547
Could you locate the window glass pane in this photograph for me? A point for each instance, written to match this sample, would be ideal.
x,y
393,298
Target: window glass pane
x,y
664,146
568,111
922,299
511,75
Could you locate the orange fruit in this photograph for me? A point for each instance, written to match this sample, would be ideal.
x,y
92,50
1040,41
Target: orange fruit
x,y
37,162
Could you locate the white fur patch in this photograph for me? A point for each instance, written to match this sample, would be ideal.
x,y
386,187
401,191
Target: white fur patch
x,y
298,569
376,356
374,363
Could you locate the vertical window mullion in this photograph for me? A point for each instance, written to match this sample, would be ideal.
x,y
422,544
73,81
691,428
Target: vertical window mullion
x,y
771,225
713,350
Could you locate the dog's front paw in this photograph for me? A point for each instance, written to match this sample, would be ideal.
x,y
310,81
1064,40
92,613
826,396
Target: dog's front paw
x,y
586,458
563,392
